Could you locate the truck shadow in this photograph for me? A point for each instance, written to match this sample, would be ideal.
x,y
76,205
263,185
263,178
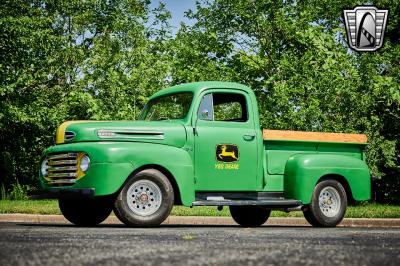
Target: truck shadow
x,y
166,226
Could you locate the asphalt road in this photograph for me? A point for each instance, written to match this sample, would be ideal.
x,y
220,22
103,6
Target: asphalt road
x,y
60,244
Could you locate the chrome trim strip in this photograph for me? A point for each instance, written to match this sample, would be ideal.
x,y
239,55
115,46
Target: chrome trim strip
x,y
139,134
62,156
125,136
56,175
62,181
62,162
62,168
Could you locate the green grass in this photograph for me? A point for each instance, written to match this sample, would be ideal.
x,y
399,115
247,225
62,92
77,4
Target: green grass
x,y
365,210
373,210
29,206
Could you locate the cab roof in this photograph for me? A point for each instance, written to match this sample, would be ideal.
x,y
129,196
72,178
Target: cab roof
x,y
198,87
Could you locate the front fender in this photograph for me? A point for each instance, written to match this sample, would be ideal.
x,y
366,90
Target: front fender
x,y
303,171
113,162
176,160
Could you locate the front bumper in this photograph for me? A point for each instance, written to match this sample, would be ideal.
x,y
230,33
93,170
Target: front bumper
x,y
64,193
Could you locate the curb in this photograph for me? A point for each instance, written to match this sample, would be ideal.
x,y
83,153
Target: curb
x,y
205,220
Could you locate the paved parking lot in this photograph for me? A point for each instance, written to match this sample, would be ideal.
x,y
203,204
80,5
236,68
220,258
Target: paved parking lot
x,y
63,244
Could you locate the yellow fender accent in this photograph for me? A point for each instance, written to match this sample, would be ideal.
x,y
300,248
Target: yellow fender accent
x,y
60,133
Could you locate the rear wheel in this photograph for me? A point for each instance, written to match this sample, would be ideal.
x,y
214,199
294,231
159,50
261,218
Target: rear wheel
x,y
328,204
145,200
249,216
85,212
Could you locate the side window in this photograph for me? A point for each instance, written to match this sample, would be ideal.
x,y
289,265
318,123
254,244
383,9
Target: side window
x,y
228,107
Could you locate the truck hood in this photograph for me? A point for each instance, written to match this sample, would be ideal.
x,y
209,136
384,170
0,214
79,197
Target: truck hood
x,y
171,133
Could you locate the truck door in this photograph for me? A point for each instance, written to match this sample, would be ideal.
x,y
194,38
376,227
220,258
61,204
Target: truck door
x,y
225,143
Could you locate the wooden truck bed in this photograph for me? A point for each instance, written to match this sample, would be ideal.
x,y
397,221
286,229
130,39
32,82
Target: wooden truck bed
x,y
313,136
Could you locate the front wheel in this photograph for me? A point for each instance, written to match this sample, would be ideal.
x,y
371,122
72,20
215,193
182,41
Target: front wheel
x,y
145,200
85,212
249,216
328,204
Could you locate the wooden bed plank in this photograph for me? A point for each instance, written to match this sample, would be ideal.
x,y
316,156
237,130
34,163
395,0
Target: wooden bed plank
x,y
313,136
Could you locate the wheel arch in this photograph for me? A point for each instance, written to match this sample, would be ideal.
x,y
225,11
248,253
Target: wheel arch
x,y
177,168
164,171
180,180
343,181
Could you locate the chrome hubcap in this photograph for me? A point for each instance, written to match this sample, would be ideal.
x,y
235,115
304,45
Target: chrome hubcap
x,y
329,201
144,197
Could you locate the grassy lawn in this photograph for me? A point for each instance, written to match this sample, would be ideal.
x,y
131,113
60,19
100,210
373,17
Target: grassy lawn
x,y
365,210
29,206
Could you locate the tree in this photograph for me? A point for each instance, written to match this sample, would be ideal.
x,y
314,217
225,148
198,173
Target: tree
x,y
63,60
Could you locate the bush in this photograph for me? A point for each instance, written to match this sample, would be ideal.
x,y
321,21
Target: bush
x,y
17,192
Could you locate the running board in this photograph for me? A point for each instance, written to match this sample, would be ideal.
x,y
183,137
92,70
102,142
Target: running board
x,y
273,203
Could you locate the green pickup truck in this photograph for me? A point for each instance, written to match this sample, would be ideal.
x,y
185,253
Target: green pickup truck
x,y
200,144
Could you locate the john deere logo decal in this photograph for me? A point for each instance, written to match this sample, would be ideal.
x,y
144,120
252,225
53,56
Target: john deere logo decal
x,y
227,153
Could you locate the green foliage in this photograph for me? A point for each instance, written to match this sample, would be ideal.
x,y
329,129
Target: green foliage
x,y
3,192
65,60
168,107
98,59
17,192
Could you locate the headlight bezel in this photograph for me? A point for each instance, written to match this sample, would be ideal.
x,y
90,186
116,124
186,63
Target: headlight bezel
x,y
44,167
84,163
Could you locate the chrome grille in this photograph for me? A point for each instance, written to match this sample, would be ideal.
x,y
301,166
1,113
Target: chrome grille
x,y
62,169
69,135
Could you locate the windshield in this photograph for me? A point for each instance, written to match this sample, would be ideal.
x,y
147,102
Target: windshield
x,y
174,106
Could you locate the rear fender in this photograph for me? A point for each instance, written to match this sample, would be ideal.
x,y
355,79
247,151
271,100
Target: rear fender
x,y
303,172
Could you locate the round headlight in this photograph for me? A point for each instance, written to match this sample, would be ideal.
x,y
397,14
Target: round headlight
x,y
85,163
43,168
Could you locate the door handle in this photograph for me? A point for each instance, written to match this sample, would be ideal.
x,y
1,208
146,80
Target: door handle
x,y
249,137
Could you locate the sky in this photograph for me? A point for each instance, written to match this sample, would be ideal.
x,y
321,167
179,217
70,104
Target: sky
x,y
177,9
